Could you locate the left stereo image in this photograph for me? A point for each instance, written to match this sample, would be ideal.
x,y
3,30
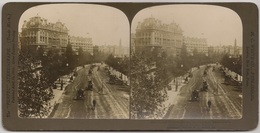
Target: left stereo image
x,y
73,62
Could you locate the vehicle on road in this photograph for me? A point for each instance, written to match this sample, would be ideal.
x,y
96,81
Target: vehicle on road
x,y
114,80
75,74
90,85
71,78
205,73
79,94
90,71
204,86
190,75
195,95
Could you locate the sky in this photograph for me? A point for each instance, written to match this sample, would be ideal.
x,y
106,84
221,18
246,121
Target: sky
x,y
219,25
104,24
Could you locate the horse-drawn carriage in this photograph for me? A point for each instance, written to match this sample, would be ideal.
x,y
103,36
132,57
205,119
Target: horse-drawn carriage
x,y
195,95
204,86
79,94
90,85
205,72
90,71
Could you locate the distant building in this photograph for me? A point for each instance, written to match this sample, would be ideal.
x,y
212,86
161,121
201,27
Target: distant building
x,y
231,50
199,44
39,32
116,50
237,49
132,45
83,42
153,33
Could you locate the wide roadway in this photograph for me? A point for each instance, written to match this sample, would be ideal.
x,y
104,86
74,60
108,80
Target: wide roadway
x,y
112,101
226,100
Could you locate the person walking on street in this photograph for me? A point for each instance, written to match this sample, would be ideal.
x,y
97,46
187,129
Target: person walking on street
x,y
61,85
94,104
209,105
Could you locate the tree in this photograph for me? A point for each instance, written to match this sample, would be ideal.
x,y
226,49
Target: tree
x,y
70,57
33,93
40,53
53,66
184,60
147,85
81,59
232,63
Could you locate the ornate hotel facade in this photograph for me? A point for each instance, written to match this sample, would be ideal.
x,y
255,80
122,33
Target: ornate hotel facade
x,y
153,33
169,37
38,32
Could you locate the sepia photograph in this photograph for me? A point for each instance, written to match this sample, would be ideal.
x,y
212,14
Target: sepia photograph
x,y
73,62
130,66
186,63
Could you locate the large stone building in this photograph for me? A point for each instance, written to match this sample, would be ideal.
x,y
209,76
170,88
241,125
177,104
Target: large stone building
x,y
196,44
153,33
39,32
81,42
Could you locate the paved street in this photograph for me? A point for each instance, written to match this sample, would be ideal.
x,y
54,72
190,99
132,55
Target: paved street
x,y
226,100
111,103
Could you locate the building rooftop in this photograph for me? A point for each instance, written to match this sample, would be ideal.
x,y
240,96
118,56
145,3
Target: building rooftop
x,y
153,23
38,22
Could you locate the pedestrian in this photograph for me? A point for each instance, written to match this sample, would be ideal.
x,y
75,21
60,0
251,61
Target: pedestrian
x,y
61,86
94,104
209,104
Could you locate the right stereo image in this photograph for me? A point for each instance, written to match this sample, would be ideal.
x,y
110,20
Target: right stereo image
x,y
186,63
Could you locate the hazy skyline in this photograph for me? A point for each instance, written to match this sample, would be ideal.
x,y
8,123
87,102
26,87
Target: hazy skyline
x,y
104,24
219,25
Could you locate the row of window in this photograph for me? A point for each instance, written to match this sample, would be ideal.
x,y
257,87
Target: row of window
x,y
196,44
76,41
82,44
158,34
82,47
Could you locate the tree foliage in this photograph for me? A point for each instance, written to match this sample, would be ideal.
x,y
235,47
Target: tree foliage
x,y
39,68
232,63
33,93
120,64
152,70
148,84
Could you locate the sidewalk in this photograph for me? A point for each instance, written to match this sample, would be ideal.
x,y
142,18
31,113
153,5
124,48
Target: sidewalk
x,y
172,96
57,93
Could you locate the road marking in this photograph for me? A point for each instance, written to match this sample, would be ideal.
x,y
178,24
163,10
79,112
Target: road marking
x,y
68,114
110,95
228,100
184,112
218,85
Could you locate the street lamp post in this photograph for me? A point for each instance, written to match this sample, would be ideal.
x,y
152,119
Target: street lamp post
x,y
181,70
177,81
